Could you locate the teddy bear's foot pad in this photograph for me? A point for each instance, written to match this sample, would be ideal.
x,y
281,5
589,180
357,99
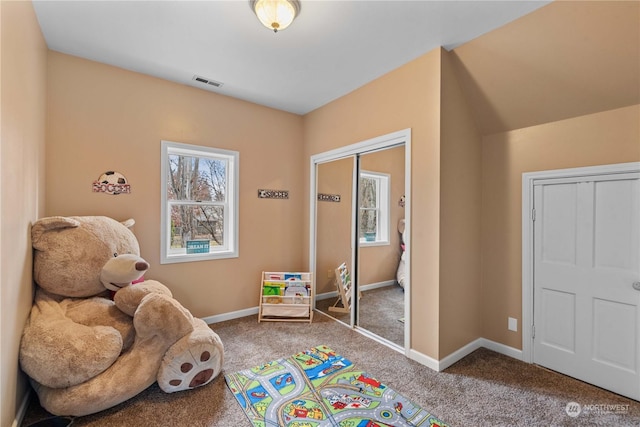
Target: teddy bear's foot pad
x,y
200,378
188,364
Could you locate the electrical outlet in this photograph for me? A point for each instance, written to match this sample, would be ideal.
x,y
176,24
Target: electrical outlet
x,y
513,324
329,274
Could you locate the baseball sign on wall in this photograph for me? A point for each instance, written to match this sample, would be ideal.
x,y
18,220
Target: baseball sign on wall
x,y
111,182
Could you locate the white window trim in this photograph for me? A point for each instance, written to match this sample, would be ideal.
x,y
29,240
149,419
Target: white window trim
x,y
231,224
384,204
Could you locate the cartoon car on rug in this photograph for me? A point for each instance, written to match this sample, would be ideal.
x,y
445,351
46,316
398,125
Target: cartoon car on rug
x,y
299,411
369,423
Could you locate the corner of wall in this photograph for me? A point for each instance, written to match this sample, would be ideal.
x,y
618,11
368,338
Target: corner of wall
x,y
22,130
460,216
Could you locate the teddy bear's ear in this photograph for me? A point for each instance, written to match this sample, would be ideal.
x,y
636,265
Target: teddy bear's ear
x,y
128,223
51,223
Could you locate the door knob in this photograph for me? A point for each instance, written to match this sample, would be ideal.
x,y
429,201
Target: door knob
x,y
636,286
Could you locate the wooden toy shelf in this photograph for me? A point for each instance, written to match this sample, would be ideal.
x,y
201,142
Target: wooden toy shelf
x,y
286,297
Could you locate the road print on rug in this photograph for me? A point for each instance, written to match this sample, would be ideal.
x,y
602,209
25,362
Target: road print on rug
x,y
318,388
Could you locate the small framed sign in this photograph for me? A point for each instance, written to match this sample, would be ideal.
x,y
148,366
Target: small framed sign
x,y
273,194
197,246
329,197
112,182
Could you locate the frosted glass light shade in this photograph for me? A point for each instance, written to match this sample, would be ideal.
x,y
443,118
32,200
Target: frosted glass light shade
x,y
276,14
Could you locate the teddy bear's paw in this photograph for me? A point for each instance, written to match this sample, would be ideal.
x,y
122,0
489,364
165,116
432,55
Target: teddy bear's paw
x,y
193,361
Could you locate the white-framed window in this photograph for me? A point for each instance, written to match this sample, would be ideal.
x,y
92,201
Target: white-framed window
x,y
373,194
199,217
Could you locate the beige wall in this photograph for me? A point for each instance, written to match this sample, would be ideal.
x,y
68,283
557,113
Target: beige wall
x,y
566,59
460,203
596,139
22,132
408,97
104,118
333,222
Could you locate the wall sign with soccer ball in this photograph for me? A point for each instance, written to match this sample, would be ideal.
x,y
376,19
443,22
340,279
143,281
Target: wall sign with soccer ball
x,y
111,182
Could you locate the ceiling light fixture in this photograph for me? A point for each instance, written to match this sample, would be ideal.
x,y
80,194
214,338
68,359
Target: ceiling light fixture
x,y
276,15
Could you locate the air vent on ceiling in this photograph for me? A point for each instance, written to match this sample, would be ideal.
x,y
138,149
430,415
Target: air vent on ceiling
x,y
207,81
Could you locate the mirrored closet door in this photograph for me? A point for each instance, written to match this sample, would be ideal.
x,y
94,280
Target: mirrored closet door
x,y
334,235
357,243
380,214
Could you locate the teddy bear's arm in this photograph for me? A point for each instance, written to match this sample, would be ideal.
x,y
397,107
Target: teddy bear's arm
x,y
128,298
100,311
58,352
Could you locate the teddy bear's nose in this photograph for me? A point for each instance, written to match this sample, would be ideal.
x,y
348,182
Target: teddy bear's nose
x,y
142,266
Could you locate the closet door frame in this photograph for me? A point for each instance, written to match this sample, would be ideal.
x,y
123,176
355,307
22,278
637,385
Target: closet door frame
x,y
402,137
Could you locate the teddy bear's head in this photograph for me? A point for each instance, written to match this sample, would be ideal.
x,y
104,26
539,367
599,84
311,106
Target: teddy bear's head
x,y
70,252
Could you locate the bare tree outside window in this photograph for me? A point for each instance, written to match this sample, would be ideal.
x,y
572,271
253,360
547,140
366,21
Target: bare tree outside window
x,y
373,208
196,190
368,205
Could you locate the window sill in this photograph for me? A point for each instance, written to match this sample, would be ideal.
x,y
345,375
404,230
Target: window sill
x,y
364,243
172,259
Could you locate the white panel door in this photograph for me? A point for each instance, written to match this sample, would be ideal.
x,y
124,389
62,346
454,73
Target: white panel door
x,y
586,261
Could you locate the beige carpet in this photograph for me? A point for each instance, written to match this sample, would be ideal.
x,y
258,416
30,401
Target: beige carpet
x,y
380,309
485,388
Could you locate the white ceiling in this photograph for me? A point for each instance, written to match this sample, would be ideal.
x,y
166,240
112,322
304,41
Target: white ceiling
x,y
332,48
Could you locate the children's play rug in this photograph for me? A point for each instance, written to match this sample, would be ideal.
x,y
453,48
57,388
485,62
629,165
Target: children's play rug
x,y
318,388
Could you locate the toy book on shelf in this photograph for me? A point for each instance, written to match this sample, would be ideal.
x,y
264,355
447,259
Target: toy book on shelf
x,y
286,296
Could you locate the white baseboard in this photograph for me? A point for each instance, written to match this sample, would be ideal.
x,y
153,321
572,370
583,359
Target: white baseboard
x,y
461,353
22,411
327,295
334,294
377,285
231,315
423,359
502,349
442,364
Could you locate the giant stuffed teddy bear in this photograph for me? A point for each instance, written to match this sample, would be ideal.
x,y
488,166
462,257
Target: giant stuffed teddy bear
x,y
86,352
